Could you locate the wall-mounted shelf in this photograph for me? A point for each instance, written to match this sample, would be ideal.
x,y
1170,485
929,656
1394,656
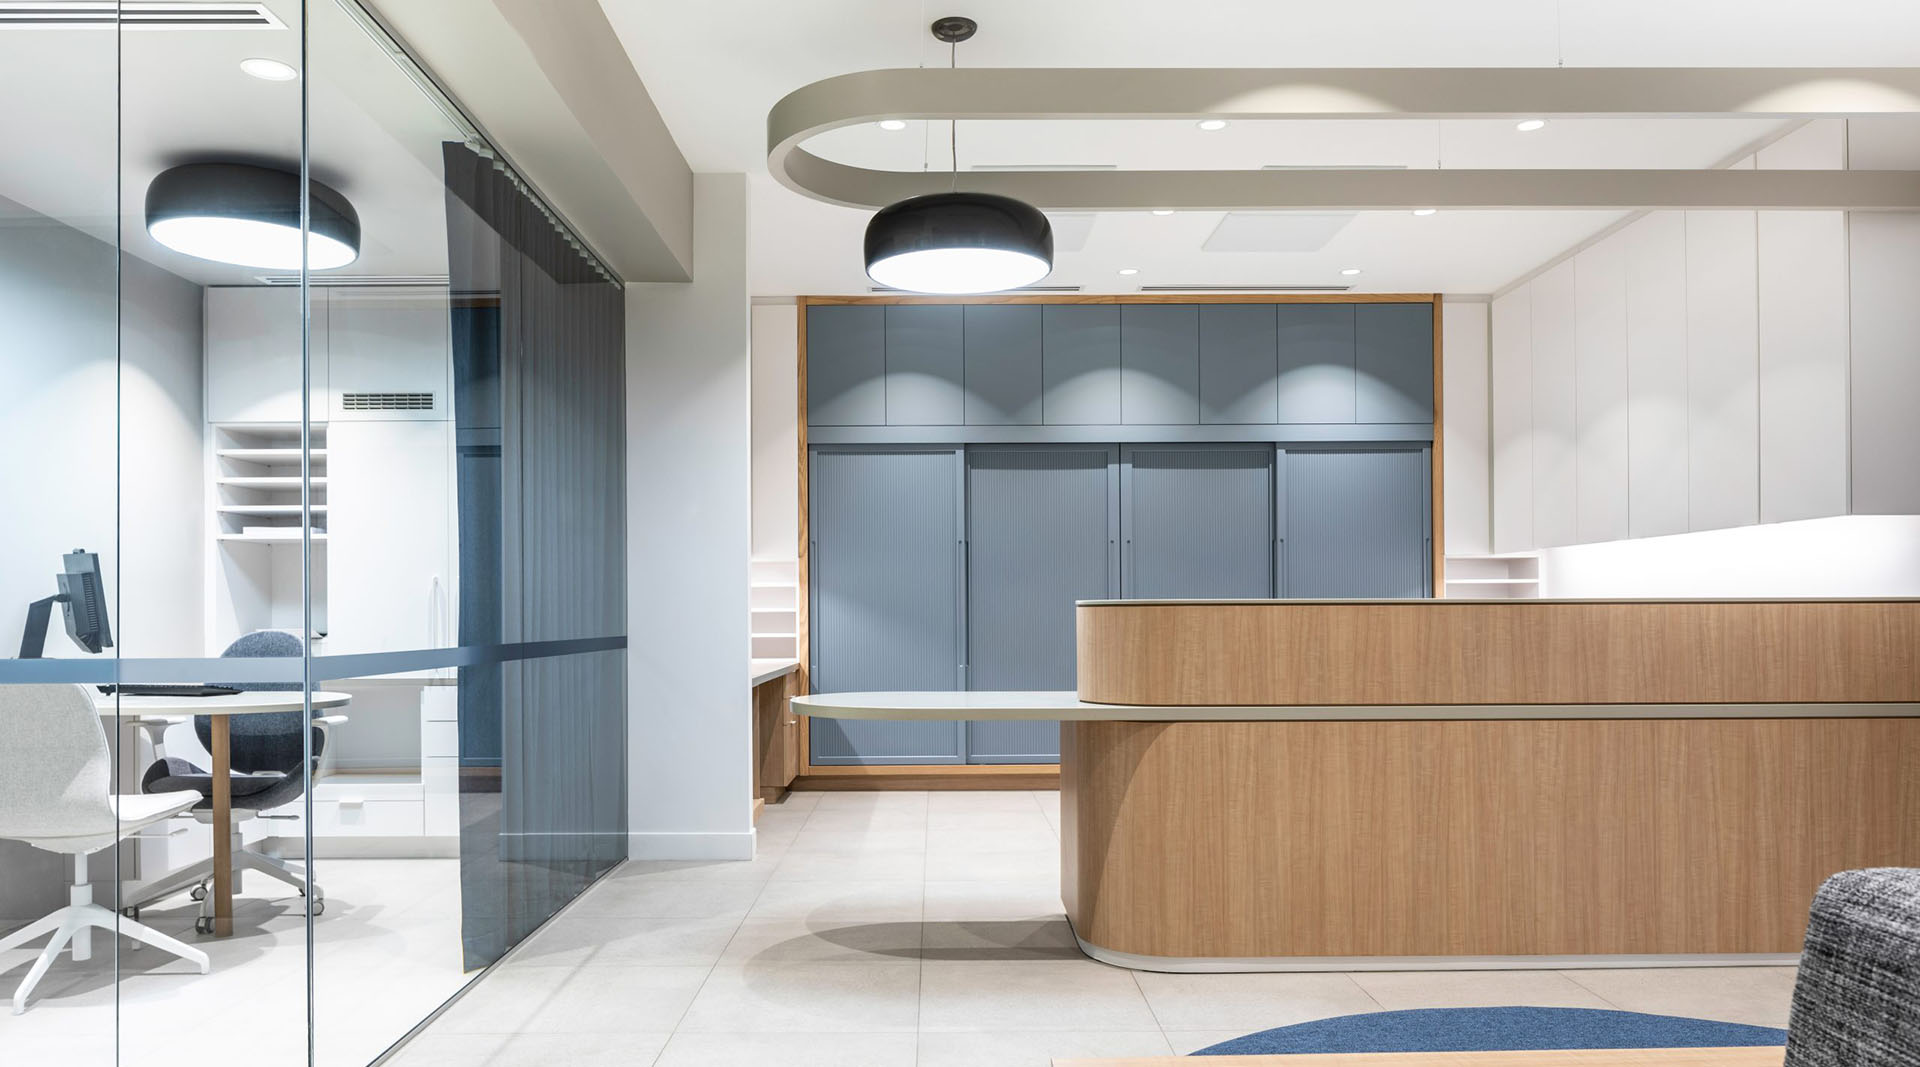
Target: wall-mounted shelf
x,y
275,456
291,537
272,481
265,510
1508,575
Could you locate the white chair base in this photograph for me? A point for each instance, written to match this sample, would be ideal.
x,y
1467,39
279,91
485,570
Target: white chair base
x,y
75,924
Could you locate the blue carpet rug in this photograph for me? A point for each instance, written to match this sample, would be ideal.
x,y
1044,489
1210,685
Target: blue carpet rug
x,y
1494,1030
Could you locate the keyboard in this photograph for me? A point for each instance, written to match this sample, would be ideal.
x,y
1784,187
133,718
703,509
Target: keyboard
x,y
142,689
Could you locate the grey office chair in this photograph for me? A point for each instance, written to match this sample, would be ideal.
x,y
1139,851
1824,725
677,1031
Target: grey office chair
x,y
266,752
56,793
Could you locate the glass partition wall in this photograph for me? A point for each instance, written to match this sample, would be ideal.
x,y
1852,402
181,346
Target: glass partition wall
x,y
362,506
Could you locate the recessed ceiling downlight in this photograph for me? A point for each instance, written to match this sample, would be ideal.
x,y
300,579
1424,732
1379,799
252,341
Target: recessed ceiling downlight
x,y
893,125
1423,212
250,216
1350,271
1530,125
955,243
271,70
1212,124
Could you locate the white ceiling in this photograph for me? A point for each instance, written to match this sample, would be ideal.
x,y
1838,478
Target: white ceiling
x,y
715,68
375,136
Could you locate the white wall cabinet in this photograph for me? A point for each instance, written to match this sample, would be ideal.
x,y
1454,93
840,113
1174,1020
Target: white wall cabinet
x,y
389,357
1511,368
1555,412
1723,371
253,354
1600,438
389,539
1657,375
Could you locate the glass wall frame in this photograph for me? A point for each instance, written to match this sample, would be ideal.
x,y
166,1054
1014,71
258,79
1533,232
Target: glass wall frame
x,y
382,502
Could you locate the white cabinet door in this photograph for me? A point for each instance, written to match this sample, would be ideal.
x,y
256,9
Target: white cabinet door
x,y
389,545
253,354
389,356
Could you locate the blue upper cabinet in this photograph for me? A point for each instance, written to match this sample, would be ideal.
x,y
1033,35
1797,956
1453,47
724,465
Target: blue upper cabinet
x,y
923,361
1082,356
1003,353
1316,376
1160,364
1393,363
846,365
1238,363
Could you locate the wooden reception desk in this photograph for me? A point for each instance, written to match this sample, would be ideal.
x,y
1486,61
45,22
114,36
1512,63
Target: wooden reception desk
x,y
1348,784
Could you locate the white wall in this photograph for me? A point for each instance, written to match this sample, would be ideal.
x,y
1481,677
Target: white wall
x,y
1706,370
1466,470
776,432
64,352
1848,555
64,355
689,521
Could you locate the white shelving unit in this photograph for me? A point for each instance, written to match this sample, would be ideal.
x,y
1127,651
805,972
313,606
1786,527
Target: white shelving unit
x,y
255,528
1500,575
775,604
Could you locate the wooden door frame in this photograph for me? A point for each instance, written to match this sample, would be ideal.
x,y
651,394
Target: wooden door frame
x,y
1023,775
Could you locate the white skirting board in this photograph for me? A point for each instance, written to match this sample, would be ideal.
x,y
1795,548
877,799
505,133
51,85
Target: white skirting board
x,y
690,846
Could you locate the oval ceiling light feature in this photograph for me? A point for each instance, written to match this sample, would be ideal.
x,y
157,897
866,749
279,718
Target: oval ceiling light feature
x,y
892,125
250,216
1530,125
957,243
1211,125
1350,271
268,70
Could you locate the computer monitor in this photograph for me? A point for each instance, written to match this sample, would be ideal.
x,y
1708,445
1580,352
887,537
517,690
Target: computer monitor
x,y
83,603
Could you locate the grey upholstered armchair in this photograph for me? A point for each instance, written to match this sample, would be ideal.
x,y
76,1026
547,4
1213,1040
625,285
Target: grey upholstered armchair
x,y
1857,1000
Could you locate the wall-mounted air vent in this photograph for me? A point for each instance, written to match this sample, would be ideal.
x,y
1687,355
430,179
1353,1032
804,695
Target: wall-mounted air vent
x,y
386,401
358,281
1245,288
135,15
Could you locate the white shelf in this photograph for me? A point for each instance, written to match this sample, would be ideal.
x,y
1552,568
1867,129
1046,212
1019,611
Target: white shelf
x,y
1493,581
291,537
291,481
267,509
268,455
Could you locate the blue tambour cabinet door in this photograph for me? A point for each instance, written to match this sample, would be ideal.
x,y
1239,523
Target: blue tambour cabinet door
x,y
1041,532
885,567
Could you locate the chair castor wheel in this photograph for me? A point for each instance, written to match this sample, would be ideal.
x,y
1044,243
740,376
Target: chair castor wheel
x,y
319,906
203,925
198,892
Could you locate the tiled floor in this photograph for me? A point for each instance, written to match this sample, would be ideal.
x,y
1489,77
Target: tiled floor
x,y
924,930
387,953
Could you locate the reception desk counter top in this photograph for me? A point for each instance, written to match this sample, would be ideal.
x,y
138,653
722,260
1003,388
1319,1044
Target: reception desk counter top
x,y
1066,706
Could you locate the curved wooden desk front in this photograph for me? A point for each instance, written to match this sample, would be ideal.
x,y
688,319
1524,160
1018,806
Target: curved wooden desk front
x,y
1417,783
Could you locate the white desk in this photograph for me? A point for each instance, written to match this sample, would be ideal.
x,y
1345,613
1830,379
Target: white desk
x,y
219,746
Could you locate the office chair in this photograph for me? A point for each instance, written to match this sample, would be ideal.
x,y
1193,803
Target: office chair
x,y
266,763
56,793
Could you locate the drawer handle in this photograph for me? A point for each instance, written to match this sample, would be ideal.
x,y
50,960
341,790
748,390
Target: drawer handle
x,y
351,802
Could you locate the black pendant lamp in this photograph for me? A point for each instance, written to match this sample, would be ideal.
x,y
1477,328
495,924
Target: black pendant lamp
x,y
955,243
250,216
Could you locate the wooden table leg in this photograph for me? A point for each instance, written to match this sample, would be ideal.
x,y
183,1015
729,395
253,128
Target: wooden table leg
x,y
221,751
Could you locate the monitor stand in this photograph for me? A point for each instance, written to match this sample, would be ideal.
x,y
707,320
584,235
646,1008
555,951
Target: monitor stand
x,y
33,640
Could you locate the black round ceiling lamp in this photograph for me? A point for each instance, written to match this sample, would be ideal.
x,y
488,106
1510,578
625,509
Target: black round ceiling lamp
x,y
250,216
956,243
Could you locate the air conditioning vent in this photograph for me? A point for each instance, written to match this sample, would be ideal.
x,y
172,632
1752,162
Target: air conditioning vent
x,y
1245,288
134,15
386,401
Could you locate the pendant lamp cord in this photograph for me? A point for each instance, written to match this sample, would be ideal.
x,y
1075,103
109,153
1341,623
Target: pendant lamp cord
x,y
953,125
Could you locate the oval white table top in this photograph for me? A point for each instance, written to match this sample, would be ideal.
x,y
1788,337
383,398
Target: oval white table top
x,y
252,702
1066,706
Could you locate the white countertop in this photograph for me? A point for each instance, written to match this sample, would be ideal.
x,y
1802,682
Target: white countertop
x,y
251,702
1066,706
766,670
